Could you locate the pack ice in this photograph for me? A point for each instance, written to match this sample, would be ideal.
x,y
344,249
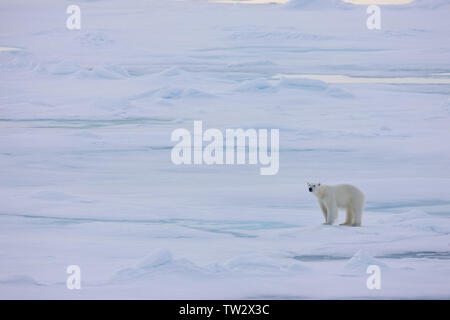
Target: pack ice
x,y
86,177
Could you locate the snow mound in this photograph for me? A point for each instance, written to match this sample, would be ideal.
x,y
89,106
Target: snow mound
x,y
339,93
420,220
64,68
95,40
17,61
256,85
160,258
263,85
416,220
170,92
313,85
111,72
20,280
361,260
413,214
162,262
159,262
172,72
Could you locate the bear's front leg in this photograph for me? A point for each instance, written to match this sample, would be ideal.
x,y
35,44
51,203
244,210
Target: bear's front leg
x,y
332,214
324,211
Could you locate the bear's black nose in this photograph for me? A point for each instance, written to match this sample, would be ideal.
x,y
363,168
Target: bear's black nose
x,y
310,189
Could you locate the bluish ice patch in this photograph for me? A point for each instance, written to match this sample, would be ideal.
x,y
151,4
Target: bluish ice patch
x,y
171,92
405,204
287,49
319,257
440,255
47,123
231,227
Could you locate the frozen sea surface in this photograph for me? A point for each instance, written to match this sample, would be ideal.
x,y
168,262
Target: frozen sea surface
x,y
85,124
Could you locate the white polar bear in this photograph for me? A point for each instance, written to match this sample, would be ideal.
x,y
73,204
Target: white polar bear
x,y
340,196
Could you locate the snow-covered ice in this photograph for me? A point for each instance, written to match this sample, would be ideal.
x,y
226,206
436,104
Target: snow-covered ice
x,y
86,177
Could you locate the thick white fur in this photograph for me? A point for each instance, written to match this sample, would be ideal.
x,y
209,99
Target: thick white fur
x,y
340,196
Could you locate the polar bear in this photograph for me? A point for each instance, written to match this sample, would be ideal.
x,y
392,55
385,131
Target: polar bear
x,y
340,196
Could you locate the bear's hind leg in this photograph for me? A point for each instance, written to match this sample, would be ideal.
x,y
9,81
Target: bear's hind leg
x,y
348,219
359,208
357,218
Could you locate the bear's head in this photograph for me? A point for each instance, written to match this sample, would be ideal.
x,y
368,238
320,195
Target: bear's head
x,y
312,186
